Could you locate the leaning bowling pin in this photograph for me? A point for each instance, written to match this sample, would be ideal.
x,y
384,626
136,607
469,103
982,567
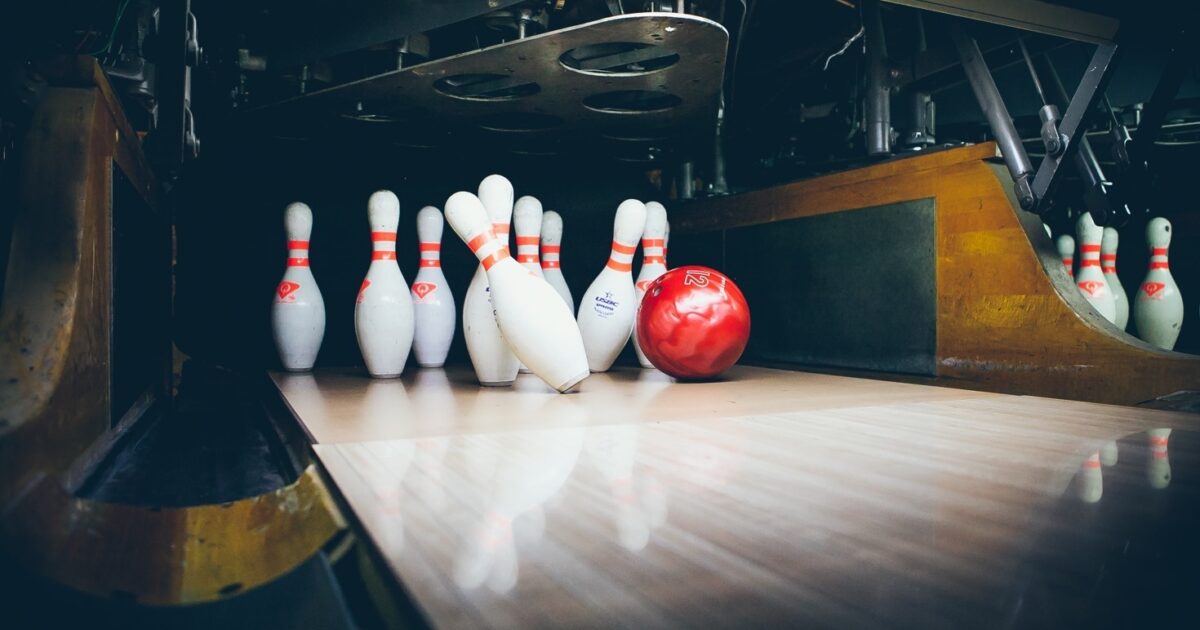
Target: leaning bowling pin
x,y
1066,252
534,321
383,314
552,231
1090,279
609,306
298,312
433,304
494,363
654,263
1108,264
1158,307
527,223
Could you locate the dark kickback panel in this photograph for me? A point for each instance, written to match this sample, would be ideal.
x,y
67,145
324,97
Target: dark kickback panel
x,y
855,289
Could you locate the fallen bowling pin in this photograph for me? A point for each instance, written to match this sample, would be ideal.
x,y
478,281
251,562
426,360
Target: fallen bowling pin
x,y
532,317
608,308
654,262
527,223
1090,279
298,310
1158,307
552,231
1108,264
494,362
383,314
433,304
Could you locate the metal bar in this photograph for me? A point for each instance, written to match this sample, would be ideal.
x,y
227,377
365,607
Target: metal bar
x,y
1090,87
994,109
878,97
1028,15
1154,114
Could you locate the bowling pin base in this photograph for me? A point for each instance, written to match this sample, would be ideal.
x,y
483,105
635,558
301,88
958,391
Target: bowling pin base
x,y
572,382
297,369
432,365
396,375
496,384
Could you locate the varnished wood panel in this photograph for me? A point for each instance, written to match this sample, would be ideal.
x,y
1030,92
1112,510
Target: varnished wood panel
x,y
1008,317
826,505
169,555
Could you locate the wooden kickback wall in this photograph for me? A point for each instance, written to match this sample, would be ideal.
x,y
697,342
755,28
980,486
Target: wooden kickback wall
x,y
1007,316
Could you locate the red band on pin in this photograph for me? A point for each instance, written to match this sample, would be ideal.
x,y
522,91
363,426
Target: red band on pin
x,y
550,264
429,247
654,260
527,240
1155,264
383,255
1090,262
297,262
652,242
497,256
619,266
1158,251
297,245
527,258
480,240
623,249
383,236
1089,248
1108,257
430,262
551,249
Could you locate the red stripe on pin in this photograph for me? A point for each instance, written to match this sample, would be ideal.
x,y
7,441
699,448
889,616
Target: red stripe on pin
x,y
429,247
497,256
527,258
1091,262
1108,256
481,240
652,242
551,249
430,262
619,266
383,236
654,260
527,240
550,264
297,262
297,245
623,249
1158,251
1159,265
383,255
1089,248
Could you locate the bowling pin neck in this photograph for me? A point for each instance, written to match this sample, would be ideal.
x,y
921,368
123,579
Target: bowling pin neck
x,y
621,257
384,245
550,255
488,248
653,251
297,253
1158,258
1089,255
431,254
527,249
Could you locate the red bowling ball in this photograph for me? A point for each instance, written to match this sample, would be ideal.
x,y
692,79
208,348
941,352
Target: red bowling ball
x,y
693,322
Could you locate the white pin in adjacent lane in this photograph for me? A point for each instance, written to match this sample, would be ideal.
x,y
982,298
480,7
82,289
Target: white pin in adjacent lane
x,y
609,306
527,223
1158,467
298,311
1108,264
1090,279
1066,252
1158,307
495,364
654,261
552,232
383,314
534,321
1091,479
433,303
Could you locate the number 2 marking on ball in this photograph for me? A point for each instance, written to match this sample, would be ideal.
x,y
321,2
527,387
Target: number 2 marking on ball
x,y
698,278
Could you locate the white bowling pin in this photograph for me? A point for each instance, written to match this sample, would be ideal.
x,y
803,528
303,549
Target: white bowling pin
x,y
1066,251
383,314
298,312
1108,264
552,230
1091,479
609,306
527,223
433,304
1158,307
654,264
494,363
1158,467
534,321
1090,280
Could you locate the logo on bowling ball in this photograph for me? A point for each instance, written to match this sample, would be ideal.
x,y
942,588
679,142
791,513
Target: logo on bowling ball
x,y
1153,290
422,289
287,291
362,291
1092,287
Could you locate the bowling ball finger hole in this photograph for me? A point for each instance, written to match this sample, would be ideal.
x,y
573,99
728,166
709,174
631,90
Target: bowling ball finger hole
x,y
628,59
520,122
485,87
632,102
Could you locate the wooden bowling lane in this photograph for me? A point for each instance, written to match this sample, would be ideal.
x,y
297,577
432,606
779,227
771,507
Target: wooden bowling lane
x,y
345,406
914,513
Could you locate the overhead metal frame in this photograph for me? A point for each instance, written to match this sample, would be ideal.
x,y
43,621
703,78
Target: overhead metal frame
x,y
1028,15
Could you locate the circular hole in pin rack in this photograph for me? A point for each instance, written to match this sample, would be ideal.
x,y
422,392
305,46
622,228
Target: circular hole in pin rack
x,y
628,59
485,87
631,102
520,122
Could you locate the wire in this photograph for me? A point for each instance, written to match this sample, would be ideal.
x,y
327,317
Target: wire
x,y
113,33
861,30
